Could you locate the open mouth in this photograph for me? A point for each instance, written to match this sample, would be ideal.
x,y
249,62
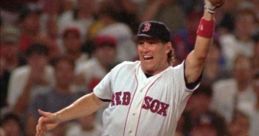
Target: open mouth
x,y
147,57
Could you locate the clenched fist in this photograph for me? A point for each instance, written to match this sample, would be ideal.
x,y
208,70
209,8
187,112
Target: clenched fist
x,y
217,3
211,5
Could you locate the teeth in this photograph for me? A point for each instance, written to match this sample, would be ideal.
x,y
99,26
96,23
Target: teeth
x,y
147,57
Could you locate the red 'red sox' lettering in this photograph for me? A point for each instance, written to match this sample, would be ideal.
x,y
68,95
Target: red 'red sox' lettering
x,y
121,98
155,106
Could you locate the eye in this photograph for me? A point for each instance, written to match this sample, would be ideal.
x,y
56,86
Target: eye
x,y
140,42
152,42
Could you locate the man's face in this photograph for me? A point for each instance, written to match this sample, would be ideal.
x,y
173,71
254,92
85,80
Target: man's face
x,y
242,70
106,55
72,42
64,73
153,55
38,61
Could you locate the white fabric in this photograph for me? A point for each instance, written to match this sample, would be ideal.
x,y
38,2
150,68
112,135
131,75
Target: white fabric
x,y
18,80
91,69
165,88
66,20
231,47
226,97
82,59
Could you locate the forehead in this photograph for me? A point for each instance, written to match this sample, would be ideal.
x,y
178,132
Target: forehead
x,y
148,39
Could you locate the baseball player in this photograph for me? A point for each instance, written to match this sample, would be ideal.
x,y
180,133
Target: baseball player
x,y
146,97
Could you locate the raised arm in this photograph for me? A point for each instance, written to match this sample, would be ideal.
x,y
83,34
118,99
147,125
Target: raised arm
x,y
83,106
196,59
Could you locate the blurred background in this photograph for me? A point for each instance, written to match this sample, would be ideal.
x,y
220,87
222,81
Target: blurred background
x,y
54,51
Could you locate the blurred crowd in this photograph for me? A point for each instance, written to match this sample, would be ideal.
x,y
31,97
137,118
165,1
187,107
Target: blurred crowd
x,y
54,51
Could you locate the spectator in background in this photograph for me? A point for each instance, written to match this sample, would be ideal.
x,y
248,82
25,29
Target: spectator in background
x,y
206,125
108,24
67,5
49,34
239,126
26,81
91,72
241,41
54,97
11,125
129,14
184,38
9,59
51,8
233,93
213,70
255,4
81,16
161,10
29,22
198,110
51,39
86,126
228,13
73,45
189,6
99,65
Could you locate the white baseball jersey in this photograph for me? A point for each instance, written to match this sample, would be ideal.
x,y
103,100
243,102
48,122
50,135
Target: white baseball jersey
x,y
142,106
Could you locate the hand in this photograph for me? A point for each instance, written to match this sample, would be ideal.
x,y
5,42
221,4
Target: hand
x,y
46,122
211,5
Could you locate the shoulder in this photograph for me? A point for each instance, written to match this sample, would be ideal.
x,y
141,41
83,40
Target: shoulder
x,y
178,67
126,65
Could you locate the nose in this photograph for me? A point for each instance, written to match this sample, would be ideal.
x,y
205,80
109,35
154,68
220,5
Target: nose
x,y
144,46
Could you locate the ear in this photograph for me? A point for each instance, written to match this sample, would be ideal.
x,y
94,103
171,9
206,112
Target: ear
x,y
169,47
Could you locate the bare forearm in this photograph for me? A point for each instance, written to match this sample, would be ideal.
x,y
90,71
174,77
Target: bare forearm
x,y
202,43
81,107
196,59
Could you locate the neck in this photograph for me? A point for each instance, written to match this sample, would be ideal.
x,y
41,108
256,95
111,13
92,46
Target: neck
x,y
151,73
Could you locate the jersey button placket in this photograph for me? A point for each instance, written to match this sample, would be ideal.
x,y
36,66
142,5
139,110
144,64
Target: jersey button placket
x,y
141,90
135,111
